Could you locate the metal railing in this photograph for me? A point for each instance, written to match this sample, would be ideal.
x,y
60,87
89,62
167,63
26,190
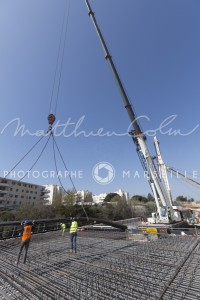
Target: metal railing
x,y
13,229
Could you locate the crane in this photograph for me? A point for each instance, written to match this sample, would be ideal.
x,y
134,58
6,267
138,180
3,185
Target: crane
x,y
162,169
165,212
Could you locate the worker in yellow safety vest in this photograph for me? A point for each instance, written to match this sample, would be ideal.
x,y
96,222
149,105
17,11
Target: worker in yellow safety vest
x,y
26,237
63,229
73,234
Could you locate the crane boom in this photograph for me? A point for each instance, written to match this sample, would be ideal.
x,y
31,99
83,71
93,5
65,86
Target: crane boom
x,y
165,210
162,168
183,177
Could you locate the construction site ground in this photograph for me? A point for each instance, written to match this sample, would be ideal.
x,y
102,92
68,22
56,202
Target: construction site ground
x,y
107,265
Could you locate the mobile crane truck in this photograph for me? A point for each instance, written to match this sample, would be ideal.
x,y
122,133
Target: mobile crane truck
x,y
166,215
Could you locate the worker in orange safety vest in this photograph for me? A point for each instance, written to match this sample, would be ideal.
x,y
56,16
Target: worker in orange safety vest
x,y
26,237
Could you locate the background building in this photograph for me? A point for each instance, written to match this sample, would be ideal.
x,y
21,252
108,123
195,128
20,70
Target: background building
x,y
87,197
15,193
51,191
98,199
123,194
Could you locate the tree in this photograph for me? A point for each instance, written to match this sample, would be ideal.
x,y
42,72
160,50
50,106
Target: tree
x,y
181,198
108,211
150,197
122,210
57,200
88,197
69,198
57,205
138,198
34,212
93,211
7,215
110,196
69,202
191,200
116,198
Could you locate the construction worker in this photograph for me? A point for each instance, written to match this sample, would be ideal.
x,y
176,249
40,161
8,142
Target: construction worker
x,y
192,217
63,229
73,234
26,231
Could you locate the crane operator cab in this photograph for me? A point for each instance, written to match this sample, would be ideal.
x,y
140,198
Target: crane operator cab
x,y
178,216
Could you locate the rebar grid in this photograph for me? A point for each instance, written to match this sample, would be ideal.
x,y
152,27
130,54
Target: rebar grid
x,y
103,268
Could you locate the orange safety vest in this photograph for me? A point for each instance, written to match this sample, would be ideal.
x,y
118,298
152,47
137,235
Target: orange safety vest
x,y
26,233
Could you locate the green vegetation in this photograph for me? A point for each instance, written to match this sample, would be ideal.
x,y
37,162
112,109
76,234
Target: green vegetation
x,y
184,199
110,196
113,208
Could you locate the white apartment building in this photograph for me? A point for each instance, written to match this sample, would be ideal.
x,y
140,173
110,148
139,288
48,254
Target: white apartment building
x,y
123,194
84,196
51,191
98,199
15,193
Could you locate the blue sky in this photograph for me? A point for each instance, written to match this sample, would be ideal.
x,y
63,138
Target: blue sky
x,y
155,46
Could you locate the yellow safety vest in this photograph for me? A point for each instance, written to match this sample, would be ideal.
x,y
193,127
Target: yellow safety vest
x,y
73,227
63,227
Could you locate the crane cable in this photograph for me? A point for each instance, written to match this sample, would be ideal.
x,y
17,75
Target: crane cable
x,y
23,159
66,14
64,32
51,117
24,156
74,188
36,159
58,74
60,56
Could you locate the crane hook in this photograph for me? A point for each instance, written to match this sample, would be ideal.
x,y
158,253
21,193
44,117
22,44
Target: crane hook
x,y
51,120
